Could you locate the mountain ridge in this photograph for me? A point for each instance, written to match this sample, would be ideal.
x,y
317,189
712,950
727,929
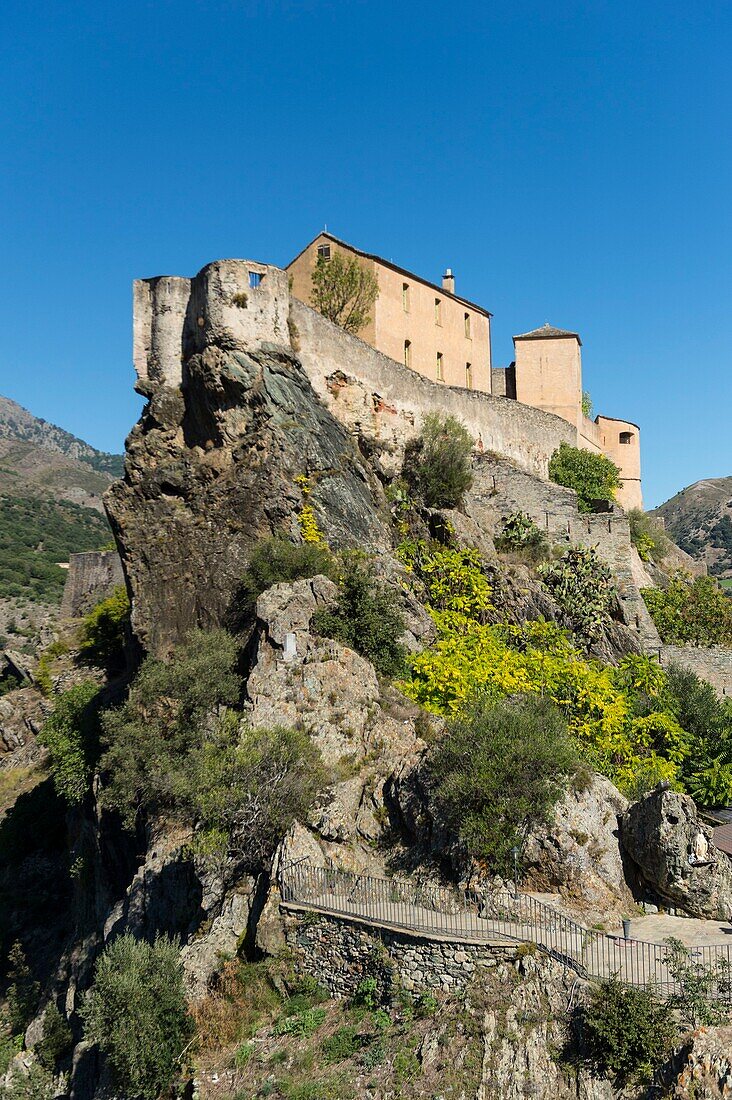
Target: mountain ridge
x,y
699,519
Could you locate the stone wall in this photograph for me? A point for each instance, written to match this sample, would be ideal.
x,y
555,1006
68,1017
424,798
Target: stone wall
x,y
340,953
714,665
500,488
385,401
91,577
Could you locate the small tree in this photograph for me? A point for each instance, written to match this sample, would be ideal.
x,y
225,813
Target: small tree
x,y
56,1040
703,990
501,769
102,632
594,477
625,1030
437,463
344,290
23,991
648,536
365,619
136,1012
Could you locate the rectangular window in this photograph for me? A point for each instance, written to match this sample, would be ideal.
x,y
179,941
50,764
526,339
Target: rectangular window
x,y
440,372
467,326
405,297
626,437
468,376
438,311
255,278
323,251
407,353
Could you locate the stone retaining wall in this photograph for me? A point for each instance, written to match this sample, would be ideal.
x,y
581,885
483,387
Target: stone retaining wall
x,y
714,665
91,577
340,953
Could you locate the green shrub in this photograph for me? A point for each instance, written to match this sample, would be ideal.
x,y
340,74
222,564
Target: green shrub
x,y
275,560
33,1083
136,1012
102,632
437,465
365,618
500,769
342,1044
367,994
243,1055
10,1045
625,1030
344,290
581,583
23,992
594,477
301,1024
56,1039
71,735
691,612
648,536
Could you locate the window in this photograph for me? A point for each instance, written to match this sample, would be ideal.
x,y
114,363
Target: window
x,y
405,297
407,353
468,376
323,251
440,372
438,311
467,326
255,279
626,437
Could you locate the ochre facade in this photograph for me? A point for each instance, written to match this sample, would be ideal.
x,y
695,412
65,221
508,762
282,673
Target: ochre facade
x,y
448,340
425,326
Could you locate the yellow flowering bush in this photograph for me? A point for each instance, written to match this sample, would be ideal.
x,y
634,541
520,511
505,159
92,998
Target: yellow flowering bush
x,y
306,516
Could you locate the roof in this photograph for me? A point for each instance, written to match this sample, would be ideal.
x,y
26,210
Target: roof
x,y
722,837
548,332
392,267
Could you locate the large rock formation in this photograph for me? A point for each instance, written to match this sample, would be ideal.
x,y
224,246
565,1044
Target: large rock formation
x,y
675,856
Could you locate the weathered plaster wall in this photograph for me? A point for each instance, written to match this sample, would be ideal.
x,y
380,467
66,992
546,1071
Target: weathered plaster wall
x,y
340,953
91,577
383,399
549,376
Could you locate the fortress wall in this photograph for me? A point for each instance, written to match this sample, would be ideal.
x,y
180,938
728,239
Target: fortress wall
x,y
387,402
500,488
90,578
714,665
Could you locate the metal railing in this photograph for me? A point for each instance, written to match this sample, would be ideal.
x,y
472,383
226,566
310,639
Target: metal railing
x,y
475,917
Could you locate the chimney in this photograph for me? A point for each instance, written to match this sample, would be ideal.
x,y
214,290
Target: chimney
x,y
448,281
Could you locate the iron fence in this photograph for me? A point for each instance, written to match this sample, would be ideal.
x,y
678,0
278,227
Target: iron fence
x,y
478,917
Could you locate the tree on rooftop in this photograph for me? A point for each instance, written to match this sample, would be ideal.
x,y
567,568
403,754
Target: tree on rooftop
x,y
344,291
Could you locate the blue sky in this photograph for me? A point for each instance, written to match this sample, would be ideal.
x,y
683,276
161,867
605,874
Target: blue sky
x,y
570,161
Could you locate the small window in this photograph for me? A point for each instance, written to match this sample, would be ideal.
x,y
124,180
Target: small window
x,y
468,376
405,297
440,371
407,353
626,437
323,251
255,279
467,326
438,311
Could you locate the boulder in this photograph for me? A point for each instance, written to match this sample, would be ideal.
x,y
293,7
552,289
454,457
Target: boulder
x,y
578,853
675,857
707,1073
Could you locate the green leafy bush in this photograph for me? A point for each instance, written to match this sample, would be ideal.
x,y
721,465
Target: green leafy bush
x,y
23,992
136,1011
71,735
102,631
703,990
594,477
691,612
453,579
500,769
581,583
648,536
437,464
625,1030
365,618
277,559
301,1024
342,1044
32,1083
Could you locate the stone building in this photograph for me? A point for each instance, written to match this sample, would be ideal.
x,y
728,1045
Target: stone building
x,y
447,339
425,326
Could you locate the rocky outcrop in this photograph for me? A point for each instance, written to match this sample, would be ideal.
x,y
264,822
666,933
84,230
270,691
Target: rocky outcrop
x,y
674,856
213,465
21,717
579,854
707,1074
